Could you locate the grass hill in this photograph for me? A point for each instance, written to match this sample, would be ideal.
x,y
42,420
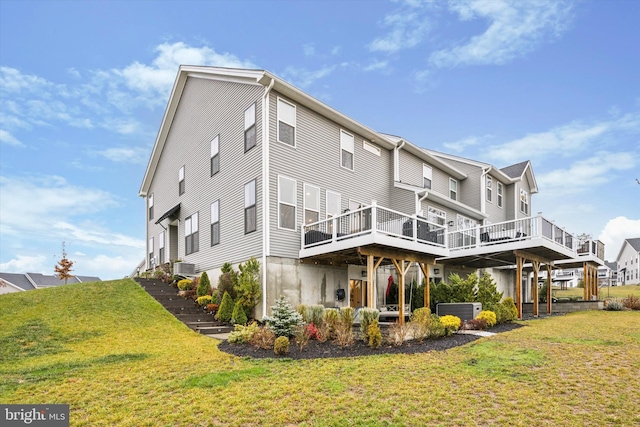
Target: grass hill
x,y
117,357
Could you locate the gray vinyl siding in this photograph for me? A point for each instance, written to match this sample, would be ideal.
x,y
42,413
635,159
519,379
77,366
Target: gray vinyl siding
x,y
315,160
451,213
495,213
470,190
403,200
509,201
208,108
410,169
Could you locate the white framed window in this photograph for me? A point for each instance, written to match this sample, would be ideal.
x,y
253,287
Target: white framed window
x,y
346,150
215,155
499,190
191,234
181,181
151,261
489,188
464,223
150,204
161,248
286,122
524,202
367,146
287,196
215,222
437,216
427,176
250,127
333,203
250,213
311,203
453,189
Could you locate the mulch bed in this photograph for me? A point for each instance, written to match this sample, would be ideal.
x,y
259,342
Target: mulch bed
x,y
324,350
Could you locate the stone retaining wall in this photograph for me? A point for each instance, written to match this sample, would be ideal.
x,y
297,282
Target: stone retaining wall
x,y
563,307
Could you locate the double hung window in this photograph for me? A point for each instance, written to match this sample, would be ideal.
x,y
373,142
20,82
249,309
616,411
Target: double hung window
x,y
250,127
191,235
427,176
215,222
453,189
287,195
311,204
215,155
250,214
286,122
181,181
346,150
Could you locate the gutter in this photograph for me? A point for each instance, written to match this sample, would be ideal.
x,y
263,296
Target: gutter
x,y
396,160
266,249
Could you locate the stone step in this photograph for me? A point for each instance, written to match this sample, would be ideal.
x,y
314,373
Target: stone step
x,y
203,324
153,289
185,310
169,297
208,330
178,302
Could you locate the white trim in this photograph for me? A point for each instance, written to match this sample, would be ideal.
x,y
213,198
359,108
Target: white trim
x,y
266,185
305,208
161,240
289,121
295,203
181,173
437,213
489,189
250,116
451,180
427,172
347,145
500,195
371,148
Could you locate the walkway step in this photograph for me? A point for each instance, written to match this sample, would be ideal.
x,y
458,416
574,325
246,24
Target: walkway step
x,y
185,310
201,317
215,330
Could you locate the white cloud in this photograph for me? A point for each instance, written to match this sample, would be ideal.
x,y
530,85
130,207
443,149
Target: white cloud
x,y
126,154
615,232
27,264
408,27
587,173
304,78
308,49
109,267
460,145
376,65
515,28
563,141
7,138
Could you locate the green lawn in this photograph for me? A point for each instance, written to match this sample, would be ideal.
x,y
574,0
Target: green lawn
x,y
604,293
117,358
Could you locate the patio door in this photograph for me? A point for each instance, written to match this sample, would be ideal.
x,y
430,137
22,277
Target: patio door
x,y
357,293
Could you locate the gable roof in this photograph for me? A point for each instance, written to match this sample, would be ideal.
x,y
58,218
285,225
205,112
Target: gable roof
x,y
30,281
633,242
17,280
515,171
268,81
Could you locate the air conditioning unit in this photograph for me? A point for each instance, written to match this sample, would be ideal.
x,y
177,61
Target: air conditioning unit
x,y
184,269
464,310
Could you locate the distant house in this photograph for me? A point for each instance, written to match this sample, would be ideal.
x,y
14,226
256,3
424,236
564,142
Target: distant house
x,y
628,262
16,282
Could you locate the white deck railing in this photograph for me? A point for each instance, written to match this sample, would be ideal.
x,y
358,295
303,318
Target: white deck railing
x,y
591,247
373,219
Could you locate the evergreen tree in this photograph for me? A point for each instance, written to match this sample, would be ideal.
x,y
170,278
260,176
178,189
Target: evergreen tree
x,y
488,293
238,317
204,287
248,287
284,319
225,311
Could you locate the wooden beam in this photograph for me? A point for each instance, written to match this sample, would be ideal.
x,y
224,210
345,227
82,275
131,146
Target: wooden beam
x,y
532,257
549,288
390,253
427,286
519,262
534,294
402,270
585,280
370,281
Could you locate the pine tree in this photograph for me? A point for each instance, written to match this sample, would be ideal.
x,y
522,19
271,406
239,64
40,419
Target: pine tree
x,y
63,268
238,317
225,311
204,287
248,286
284,319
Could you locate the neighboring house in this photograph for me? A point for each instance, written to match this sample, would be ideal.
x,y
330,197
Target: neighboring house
x,y
628,262
247,165
608,274
25,282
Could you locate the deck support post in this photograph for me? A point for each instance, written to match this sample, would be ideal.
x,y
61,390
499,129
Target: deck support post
x,y
427,285
519,262
549,289
372,267
402,268
534,294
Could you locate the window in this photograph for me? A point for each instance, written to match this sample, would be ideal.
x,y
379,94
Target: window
x,y
286,123
311,204
150,202
250,128
499,189
286,203
215,222
250,214
427,174
191,235
524,202
436,216
215,155
181,181
489,188
346,148
161,248
453,189
333,204
465,223
151,260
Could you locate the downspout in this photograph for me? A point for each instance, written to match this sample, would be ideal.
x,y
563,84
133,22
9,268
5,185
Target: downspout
x,y
419,200
265,192
396,161
483,191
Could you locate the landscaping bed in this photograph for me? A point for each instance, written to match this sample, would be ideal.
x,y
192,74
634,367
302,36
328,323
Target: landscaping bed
x,y
328,349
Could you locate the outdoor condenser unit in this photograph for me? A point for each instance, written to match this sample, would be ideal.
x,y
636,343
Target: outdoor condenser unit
x,y
184,269
464,310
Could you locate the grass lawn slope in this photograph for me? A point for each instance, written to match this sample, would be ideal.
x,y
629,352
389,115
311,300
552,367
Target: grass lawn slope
x,y
117,358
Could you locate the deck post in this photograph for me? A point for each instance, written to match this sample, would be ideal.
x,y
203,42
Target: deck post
x,y
534,294
585,280
427,285
519,286
400,267
549,289
370,282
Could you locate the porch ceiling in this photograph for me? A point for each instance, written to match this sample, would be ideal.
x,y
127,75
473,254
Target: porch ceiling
x,y
502,257
358,256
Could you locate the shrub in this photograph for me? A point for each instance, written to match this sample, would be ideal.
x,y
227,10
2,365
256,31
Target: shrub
x,y
419,325
227,281
450,323
313,331
185,285
204,287
212,307
614,305
204,300
488,316
435,328
487,293
506,311
263,338
632,302
238,315
475,324
302,336
367,316
281,345
316,314
243,334
330,323
225,312
374,334
398,333
215,297
344,327
284,319
248,285
301,309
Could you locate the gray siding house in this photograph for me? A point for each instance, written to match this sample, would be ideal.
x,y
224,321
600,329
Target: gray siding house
x,y
247,165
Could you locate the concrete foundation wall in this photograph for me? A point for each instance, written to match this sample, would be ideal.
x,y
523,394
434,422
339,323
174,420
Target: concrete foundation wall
x,y
564,307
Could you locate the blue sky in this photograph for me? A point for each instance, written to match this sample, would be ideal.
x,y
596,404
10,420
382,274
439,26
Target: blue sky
x,y
83,87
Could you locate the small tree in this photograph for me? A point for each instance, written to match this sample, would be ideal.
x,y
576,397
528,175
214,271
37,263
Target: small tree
x,y
225,311
63,268
227,281
248,287
238,317
204,287
488,293
284,319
